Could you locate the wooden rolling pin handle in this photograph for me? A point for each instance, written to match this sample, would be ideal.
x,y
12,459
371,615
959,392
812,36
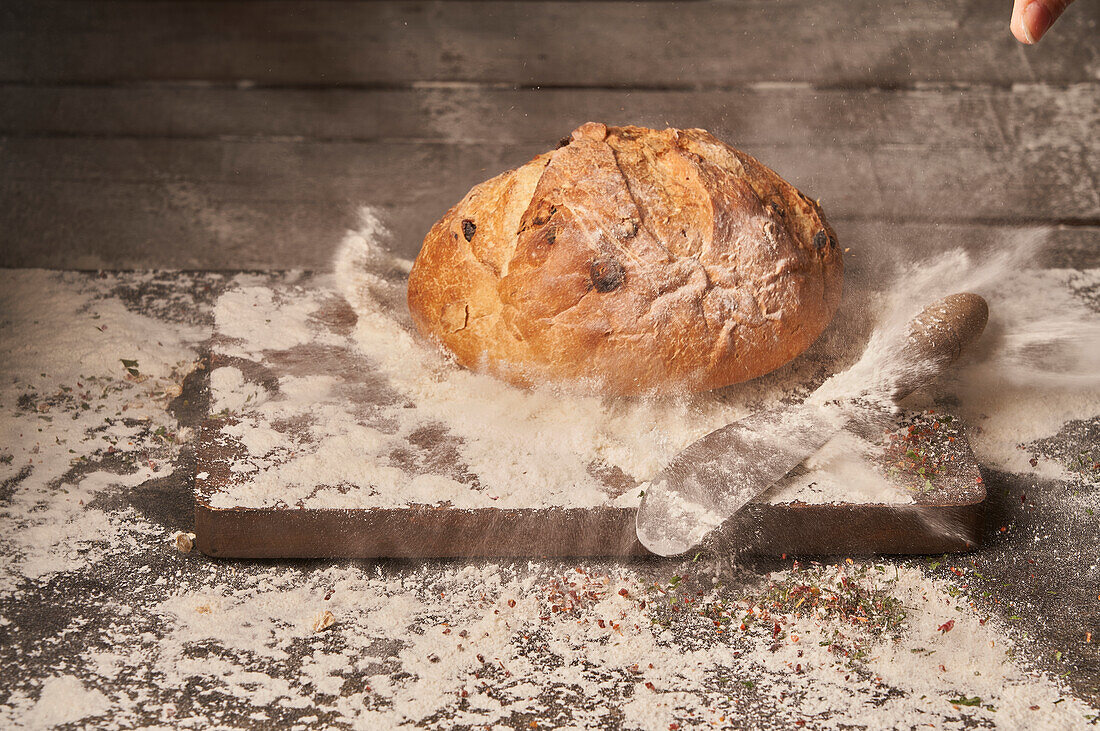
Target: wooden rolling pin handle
x,y
935,339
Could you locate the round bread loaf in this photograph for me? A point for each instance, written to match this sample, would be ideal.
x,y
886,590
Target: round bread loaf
x,y
629,261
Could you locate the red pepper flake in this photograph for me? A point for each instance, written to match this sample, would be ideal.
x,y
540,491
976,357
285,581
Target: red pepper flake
x,y
775,630
1033,708
978,480
651,686
947,626
600,623
673,726
511,602
480,657
1023,497
1034,461
624,592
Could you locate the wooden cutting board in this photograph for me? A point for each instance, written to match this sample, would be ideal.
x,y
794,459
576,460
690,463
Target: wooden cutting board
x,y
944,514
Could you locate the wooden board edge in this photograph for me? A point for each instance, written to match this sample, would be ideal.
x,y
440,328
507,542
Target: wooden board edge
x,y
765,529
793,529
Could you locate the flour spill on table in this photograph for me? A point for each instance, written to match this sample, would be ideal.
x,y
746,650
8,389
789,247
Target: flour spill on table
x,y
105,622
85,381
490,645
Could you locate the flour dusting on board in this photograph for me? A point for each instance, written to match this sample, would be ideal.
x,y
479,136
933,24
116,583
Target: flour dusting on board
x,y
1035,367
1031,372
431,432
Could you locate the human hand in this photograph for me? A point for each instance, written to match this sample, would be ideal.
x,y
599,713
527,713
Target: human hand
x,y
1032,18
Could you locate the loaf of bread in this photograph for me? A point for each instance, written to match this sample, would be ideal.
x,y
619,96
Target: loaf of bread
x,y
629,261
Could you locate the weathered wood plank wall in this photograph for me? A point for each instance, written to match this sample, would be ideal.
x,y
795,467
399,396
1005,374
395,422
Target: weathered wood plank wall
x,y
684,45
246,134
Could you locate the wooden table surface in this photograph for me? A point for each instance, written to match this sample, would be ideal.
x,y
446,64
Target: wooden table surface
x,y
238,135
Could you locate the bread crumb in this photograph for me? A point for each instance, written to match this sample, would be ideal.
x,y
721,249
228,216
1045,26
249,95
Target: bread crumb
x,y
323,620
184,541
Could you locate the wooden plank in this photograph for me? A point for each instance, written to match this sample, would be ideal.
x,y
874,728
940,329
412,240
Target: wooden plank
x,y
179,227
766,530
857,42
116,200
1027,116
215,205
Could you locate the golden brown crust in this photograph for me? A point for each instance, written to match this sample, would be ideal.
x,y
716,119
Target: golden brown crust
x,y
629,261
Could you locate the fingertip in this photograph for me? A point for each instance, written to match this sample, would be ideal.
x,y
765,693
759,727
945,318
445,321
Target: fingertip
x,y
1018,31
1036,20
1016,25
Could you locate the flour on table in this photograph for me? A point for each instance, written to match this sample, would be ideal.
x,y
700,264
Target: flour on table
x,y
510,447
479,644
1031,372
107,625
65,700
85,380
846,469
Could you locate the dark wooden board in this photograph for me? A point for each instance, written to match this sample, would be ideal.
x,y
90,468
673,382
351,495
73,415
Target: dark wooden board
x,y
765,529
946,520
682,45
945,516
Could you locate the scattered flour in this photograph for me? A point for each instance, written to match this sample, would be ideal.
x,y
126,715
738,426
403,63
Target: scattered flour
x,y
1032,371
1028,375
844,470
244,317
64,699
515,447
106,623
486,644
230,392
67,403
